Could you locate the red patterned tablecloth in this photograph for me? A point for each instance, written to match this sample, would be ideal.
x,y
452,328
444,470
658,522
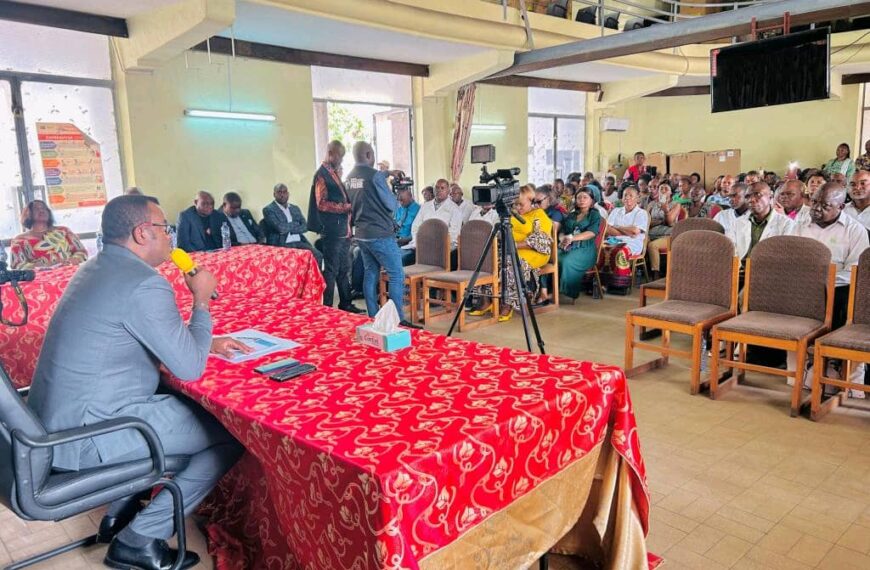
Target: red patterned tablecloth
x,y
377,460
282,273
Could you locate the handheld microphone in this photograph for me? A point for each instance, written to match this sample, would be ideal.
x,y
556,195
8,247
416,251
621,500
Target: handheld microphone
x,y
186,264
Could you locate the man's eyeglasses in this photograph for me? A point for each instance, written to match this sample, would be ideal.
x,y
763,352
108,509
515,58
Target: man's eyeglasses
x,y
167,228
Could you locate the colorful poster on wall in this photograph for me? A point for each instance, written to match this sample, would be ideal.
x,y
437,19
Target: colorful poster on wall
x,y
73,166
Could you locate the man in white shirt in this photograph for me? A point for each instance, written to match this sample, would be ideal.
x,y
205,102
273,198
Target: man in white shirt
x,y
442,208
790,201
465,206
630,223
859,207
739,206
761,223
243,228
486,213
847,240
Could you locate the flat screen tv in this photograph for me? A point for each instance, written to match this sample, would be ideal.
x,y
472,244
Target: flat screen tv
x,y
775,71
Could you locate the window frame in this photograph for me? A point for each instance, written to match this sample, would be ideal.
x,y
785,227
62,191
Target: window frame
x,y
556,117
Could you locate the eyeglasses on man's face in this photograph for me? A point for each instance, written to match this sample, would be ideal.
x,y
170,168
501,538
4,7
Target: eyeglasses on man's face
x,y
167,227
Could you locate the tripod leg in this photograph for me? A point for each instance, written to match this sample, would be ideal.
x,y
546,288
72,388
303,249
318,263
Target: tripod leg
x,y
473,279
526,310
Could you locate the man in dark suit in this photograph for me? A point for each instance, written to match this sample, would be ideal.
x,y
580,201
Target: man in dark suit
x,y
199,227
116,324
243,228
284,224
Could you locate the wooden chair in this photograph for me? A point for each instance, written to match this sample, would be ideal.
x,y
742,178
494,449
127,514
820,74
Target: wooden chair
x,y
656,289
599,246
701,290
851,343
787,304
639,260
433,255
472,241
552,268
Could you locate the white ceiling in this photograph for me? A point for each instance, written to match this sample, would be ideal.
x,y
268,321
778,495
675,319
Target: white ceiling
x,y
116,8
276,26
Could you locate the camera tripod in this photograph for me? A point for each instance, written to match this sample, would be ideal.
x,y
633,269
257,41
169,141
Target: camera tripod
x,y
503,232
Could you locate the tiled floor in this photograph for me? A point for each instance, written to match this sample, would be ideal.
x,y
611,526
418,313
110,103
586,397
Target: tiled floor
x,y
735,483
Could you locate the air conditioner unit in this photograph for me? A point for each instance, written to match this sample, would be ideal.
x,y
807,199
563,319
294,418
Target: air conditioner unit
x,y
614,125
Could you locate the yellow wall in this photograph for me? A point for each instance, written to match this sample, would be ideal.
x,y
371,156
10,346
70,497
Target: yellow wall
x,y
172,156
769,137
495,105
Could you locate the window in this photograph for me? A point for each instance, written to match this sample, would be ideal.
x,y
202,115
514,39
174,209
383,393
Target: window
x,y
353,106
557,134
865,122
62,146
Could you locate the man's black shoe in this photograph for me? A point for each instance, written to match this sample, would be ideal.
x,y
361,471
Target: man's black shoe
x,y
410,325
156,555
110,527
353,309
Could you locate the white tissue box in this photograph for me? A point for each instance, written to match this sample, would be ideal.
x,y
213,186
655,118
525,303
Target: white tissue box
x,y
388,342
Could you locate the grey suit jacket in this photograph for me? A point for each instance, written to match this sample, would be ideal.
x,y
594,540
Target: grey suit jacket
x,y
276,226
115,324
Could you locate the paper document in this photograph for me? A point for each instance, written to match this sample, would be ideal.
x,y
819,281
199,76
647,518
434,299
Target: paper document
x,y
261,343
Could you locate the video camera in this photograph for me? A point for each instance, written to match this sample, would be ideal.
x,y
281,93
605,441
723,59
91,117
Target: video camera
x,y
499,187
401,182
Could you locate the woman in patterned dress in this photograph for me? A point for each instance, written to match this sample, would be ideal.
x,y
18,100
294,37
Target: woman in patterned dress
x,y
44,244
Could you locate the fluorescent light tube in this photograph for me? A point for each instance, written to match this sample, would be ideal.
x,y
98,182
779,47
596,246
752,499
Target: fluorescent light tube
x,y
477,127
228,115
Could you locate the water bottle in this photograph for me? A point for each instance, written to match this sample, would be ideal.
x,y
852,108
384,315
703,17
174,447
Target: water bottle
x,y
173,238
3,258
225,236
99,241
704,364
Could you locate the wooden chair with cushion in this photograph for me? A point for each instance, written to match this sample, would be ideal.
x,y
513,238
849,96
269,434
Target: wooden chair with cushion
x,y
656,289
639,260
472,241
433,255
552,268
701,291
787,304
599,246
850,343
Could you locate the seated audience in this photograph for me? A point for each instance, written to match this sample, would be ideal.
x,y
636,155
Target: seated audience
x,y
840,164
863,161
465,206
284,225
633,173
685,188
663,214
405,215
722,195
442,208
532,237
611,191
814,181
629,225
771,179
558,188
116,325
699,206
738,203
428,194
243,228
752,177
486,213
846,239
790,200
839,178
556,212
859,190
577,244
761,223
644,190
44,244
199,226
695,178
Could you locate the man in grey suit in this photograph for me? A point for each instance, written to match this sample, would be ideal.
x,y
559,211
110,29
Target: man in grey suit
x,y
115,324
284,224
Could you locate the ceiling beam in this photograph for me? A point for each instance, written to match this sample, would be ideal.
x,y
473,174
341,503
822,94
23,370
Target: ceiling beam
x,y
525,81
66,19
682,91
691,31
855,78
282,54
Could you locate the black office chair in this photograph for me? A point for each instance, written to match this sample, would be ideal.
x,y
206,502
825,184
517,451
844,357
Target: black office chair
x,y
30,488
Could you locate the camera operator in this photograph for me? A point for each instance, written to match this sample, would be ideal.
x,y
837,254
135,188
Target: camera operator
x,y
373,207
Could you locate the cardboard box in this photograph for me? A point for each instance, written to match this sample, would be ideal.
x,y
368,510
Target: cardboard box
x,y
719,162
659,160
388,342
686,163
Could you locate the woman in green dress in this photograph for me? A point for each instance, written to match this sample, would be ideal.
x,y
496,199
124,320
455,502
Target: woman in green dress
x,y
577,248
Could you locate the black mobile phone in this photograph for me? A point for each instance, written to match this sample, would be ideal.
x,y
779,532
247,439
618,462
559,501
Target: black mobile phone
x,y
293,372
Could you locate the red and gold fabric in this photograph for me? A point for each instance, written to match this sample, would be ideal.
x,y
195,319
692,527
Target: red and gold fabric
x,y
271,272
414,459
57,246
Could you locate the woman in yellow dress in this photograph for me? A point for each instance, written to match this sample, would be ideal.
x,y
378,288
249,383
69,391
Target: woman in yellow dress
x,y
534,243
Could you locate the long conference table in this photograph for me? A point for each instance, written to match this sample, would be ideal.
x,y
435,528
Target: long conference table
x,y
444,455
